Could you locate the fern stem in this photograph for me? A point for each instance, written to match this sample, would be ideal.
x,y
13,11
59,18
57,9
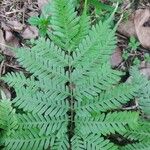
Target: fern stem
x,y
71,124
85,6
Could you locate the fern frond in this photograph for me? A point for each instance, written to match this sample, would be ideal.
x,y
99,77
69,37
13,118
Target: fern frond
x,y
38,66
144,99
47,125
92,56
66,26
41,103
143,96
25,140
137,146
77,143
49,51
61,143
8,120
92,142
72,98
112,98
45,84
32,131
19,79
43,96
106,123
92,83
96,48
141,133
83,29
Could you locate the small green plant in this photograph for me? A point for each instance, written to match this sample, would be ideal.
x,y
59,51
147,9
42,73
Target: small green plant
x,y
133,44
41,22
132,50
147,58
73,99
136,62
99,6
125,55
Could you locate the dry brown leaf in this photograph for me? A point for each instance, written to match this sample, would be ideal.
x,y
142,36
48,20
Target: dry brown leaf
x,y
145,69
14,43
8,36
2,40
146,72
33,13
41,3
4,44
142,26
144,64
116,58
6,92
4,26
30,32
127,27
15,25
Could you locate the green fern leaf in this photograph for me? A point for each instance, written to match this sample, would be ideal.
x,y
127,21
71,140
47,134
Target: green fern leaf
x,y
141,133
137,146
106,124
8,120
69,30
92,142
70,98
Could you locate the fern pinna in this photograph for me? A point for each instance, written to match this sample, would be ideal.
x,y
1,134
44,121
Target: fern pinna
x,y
72,100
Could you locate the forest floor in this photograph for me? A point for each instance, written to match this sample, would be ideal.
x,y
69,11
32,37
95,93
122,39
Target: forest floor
x,y
133,33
